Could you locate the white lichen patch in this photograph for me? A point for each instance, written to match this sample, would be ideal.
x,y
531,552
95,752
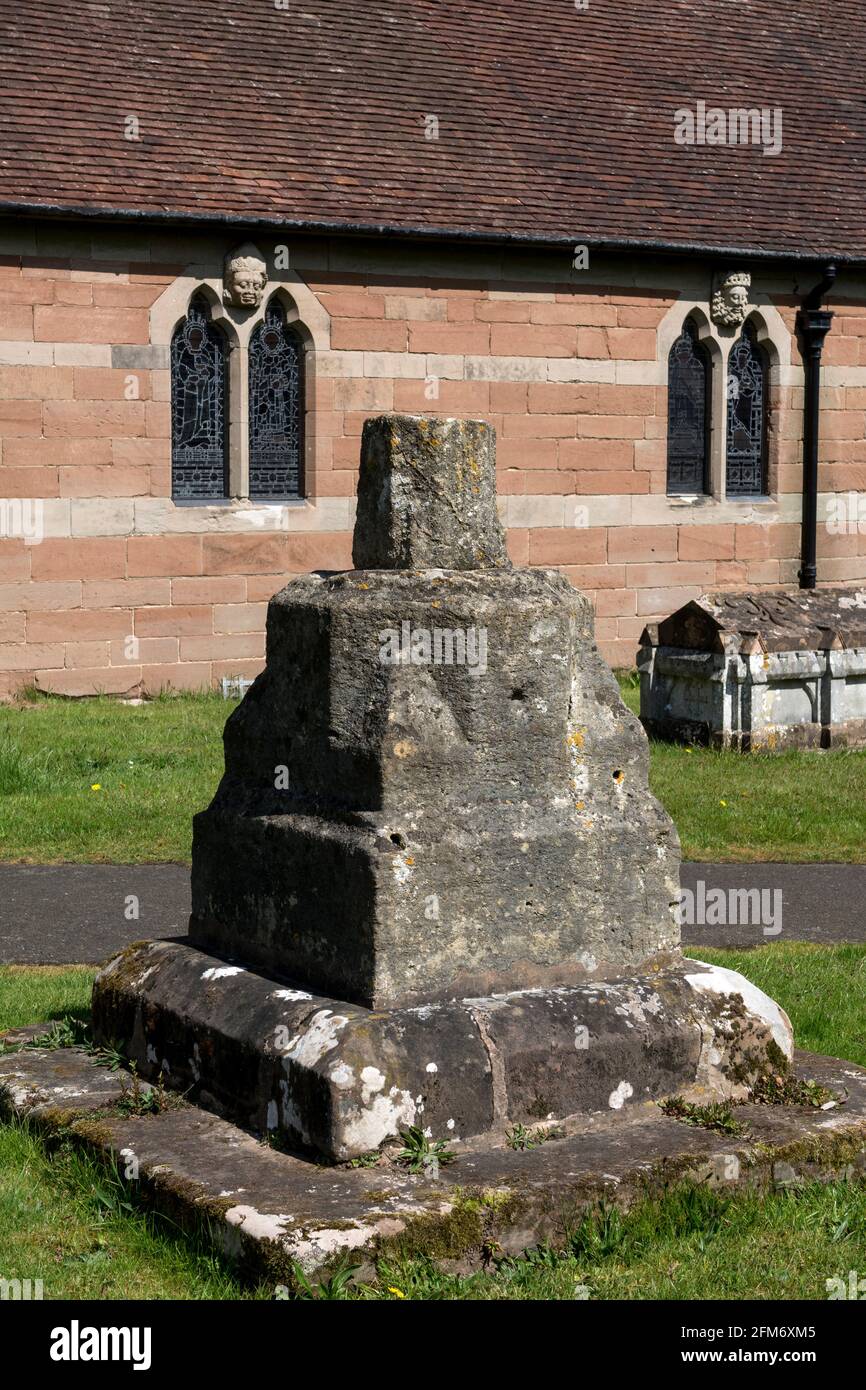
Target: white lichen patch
x,y
290,994
321,1035
372,1081
431,1067
617,1099
343,1076
634,1009
368,1128
311,1249
259,1225
222,972
715,979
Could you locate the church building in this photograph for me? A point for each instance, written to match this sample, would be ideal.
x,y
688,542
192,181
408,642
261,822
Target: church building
x,y
631,237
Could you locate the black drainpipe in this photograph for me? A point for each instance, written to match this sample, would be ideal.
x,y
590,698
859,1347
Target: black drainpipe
x,y
813,324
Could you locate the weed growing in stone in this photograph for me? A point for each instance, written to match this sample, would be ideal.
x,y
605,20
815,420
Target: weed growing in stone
x,y
790,1090
718,1115
335,1289
519,1137
370,1160
140,1098
419,1151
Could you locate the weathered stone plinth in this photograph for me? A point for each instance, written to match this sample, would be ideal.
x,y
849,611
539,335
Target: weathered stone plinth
x,y
433,886
447,829
332,1077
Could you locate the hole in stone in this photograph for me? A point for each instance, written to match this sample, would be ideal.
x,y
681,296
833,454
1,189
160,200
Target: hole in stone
x,y
617,774
398,840
518,694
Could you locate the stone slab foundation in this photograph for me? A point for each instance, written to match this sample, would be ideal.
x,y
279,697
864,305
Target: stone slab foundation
x,y
269,1210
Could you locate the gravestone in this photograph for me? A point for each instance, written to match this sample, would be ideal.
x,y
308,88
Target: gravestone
x,y
763,670
433,886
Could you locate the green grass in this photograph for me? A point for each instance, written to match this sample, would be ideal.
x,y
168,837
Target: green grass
x,y
36,993
70,1223
158,763
797,807
154,765
692,1243
64,1221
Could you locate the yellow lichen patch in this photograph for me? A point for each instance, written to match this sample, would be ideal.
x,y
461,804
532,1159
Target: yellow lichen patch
x,y
404,749
575,739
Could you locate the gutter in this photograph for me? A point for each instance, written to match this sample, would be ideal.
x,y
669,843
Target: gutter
x,y
813,325
461,236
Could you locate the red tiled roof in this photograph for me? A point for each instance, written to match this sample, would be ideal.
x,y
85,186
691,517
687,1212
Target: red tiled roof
x,y
553,121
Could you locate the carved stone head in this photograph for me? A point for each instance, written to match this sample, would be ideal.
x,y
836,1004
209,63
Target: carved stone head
x,y
245,277
731,298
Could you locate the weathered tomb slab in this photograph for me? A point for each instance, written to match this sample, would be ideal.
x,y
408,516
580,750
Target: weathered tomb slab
x,y
269,1209
763,670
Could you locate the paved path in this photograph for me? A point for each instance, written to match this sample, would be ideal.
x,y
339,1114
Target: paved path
x,y
60,914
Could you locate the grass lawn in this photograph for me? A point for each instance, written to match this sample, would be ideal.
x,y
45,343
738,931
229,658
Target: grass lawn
x,y
795,807
96,780
153,765
64,1221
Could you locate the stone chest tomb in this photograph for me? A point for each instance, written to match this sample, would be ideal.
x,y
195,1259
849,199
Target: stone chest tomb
x,y
432,887
762,670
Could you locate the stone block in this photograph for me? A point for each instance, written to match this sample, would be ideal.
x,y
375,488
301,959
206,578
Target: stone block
x,y
427,496
320,1074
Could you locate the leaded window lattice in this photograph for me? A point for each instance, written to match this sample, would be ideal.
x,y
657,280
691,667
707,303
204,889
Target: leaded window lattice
x,y
199,450
276,408
688,416
747,418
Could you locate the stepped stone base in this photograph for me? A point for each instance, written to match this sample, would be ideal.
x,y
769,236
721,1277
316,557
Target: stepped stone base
x,y
321,1074
270,1210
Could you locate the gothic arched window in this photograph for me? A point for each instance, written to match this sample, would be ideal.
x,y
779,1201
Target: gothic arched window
x,y
276,408
199,451
688,413
746,467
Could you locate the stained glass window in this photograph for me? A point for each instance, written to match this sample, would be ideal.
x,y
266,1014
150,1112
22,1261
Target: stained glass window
x,y
276,408
198,407
747,417
688,416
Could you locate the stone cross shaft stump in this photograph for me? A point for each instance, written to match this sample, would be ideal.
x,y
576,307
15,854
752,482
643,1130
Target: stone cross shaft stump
x,y
433,869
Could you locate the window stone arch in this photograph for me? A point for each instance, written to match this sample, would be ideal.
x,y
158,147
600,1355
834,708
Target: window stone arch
x,y
774,341
307,318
